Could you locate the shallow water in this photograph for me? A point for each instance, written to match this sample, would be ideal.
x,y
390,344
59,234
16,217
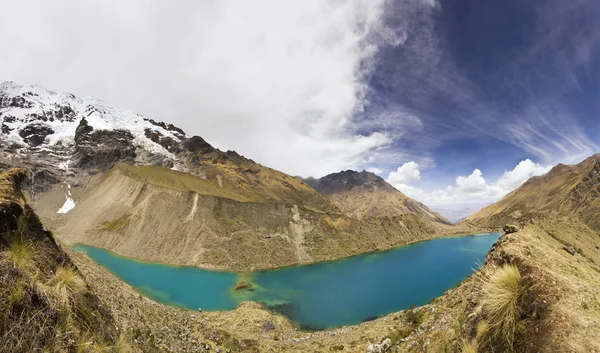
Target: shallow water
x,y
317,296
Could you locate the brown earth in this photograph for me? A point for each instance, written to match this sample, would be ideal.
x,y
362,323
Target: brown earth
x,y
560,307
558,258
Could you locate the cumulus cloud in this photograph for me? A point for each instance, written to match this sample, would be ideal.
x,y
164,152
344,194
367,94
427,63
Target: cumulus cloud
x,y
472,184
405,174
278,81
512,179
473,188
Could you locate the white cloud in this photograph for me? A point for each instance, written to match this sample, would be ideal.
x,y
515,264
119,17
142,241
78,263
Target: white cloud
x,y
474,188
406,174
278,81
472,184
524,170
374,170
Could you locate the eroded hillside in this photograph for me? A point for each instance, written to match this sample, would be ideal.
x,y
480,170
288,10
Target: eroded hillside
x,y
146,189
158,214
547,297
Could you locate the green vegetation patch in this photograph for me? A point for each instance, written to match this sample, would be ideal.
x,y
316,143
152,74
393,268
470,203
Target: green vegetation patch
x,y
243,285
117,224
178,181
10,182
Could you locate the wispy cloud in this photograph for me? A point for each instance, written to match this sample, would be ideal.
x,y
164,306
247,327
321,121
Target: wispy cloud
x,y
524,87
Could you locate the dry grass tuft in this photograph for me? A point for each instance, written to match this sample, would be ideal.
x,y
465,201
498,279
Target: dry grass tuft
x,y
17,295
122,345
468,347
501,292
483,327
66,284
21,251
414,316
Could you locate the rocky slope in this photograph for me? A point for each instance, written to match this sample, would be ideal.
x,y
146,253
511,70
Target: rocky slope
x,y
57,136
364,194
572,190
116,179
45,303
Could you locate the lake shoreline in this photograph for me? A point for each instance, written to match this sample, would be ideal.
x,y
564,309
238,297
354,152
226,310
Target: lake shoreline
x,y
317,296
209,268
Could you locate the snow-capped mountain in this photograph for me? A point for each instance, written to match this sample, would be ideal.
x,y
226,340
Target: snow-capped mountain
x,y
36,117
58,131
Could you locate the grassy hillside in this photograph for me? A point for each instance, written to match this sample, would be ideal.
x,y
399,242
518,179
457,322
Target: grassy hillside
x,y
258,185
566,190
536,292
45,302
251,180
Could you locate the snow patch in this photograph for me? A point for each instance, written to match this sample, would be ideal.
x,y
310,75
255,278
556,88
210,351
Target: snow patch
x,y
65,166
68,206
69,203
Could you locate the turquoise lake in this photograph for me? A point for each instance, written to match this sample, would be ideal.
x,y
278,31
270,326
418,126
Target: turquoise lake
x,y
317,296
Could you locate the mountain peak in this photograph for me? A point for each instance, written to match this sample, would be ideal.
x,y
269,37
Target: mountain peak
x,y
346,180
365,194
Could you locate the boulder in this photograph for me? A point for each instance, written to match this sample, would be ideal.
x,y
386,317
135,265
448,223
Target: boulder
x,y
382,347
570,250
268,326
509,228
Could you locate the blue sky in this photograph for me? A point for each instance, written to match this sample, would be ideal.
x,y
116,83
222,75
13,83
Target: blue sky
x,y
492,83
454,102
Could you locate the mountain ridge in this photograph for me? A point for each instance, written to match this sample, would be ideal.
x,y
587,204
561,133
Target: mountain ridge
x,y
566,189
365,194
